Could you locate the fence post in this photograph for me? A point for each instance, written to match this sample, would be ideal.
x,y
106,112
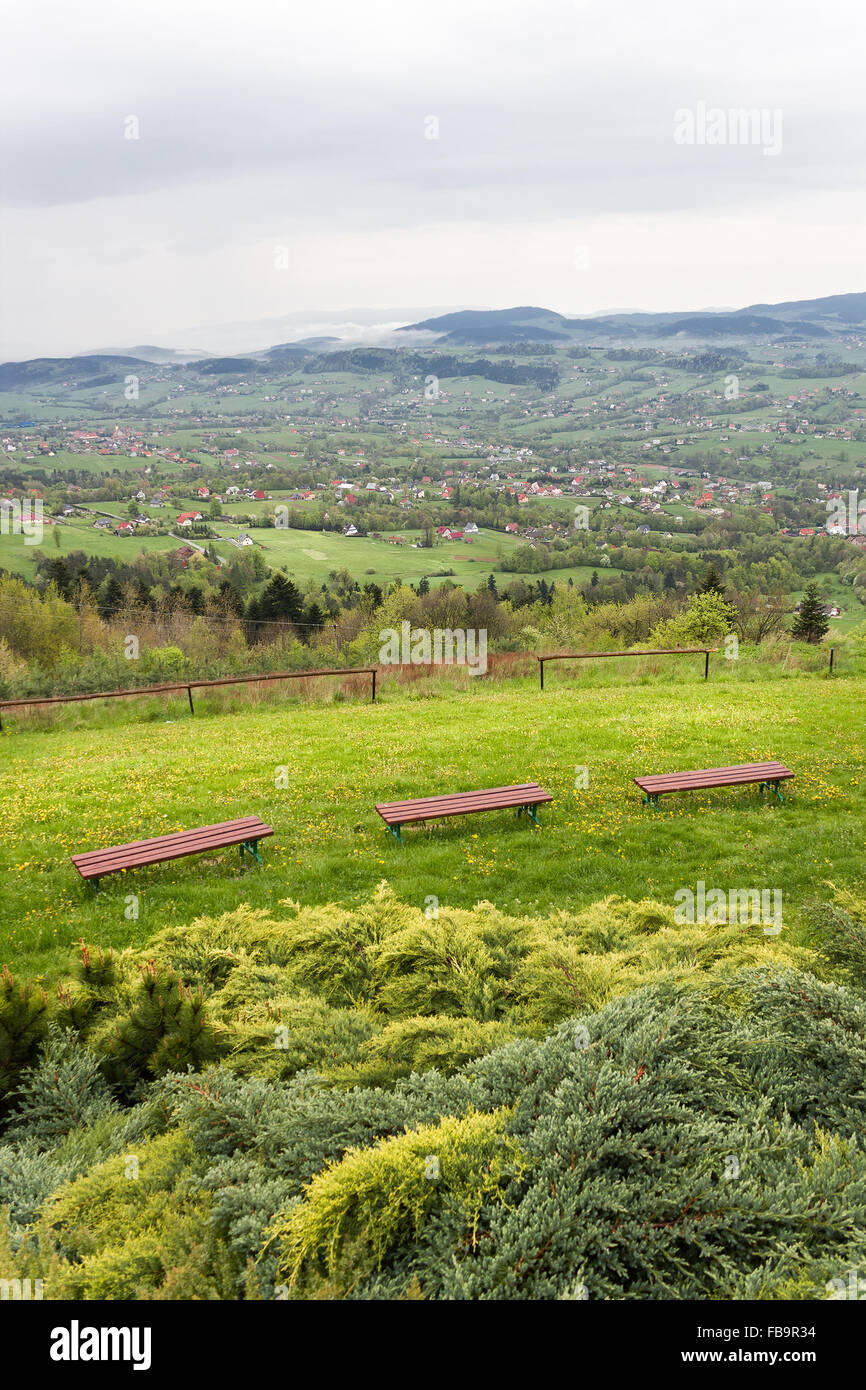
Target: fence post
x,y
374,685
832,649
541,669
189,694
707,664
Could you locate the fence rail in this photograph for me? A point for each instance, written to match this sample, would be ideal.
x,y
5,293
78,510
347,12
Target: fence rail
x,y
371,671
655,651
188,686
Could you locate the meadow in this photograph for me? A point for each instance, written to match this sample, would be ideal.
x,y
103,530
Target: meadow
x,y
94,780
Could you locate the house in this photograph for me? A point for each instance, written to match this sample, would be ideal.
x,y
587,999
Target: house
x,y
124,528
350,530
259,495
204,492
187,518
511,527
243,539
471,528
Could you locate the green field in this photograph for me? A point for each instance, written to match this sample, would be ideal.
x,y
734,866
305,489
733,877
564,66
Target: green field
x,y
69,790
305,554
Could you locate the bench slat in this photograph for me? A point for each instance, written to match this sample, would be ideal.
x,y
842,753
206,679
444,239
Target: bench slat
x,y
462,803
95,863
709,777
171,836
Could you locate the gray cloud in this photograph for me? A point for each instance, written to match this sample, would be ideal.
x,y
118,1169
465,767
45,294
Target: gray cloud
x,y
259,124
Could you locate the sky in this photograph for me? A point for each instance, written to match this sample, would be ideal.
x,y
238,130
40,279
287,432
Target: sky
x,y
223,176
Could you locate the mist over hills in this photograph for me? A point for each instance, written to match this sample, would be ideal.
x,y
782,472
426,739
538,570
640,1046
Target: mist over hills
x,y
794,320
815,318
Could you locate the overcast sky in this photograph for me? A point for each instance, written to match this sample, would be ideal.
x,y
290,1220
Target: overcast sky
x,y
284,163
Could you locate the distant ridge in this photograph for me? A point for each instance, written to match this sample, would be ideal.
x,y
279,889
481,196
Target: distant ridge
x,y
804,318
792,320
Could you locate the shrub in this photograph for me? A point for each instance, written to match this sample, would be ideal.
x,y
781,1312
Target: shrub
x,y
167,1028
23,1021
136,1226
377,1198
62,1091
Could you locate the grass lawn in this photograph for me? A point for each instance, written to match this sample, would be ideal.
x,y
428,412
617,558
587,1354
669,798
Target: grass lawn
x,y
313,554
71,789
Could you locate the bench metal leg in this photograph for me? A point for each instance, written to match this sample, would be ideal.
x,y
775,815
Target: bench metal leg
x,y
94,885
771,787
395,831
530,811
651,799
251,847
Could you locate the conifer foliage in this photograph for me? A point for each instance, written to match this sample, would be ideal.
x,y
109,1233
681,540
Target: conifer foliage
x,y
369,1105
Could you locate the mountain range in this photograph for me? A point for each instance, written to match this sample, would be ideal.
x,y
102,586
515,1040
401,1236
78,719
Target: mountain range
x,y
803,318
793,320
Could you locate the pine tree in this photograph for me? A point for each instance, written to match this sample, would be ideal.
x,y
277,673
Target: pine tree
x,y
711,582
280,600
195,599
230,599
57,572
23,1021
810,624
110,599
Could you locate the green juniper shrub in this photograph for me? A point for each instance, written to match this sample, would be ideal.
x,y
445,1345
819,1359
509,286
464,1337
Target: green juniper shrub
x,y
23,1021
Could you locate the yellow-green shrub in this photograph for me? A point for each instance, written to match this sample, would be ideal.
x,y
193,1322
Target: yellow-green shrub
x,y
379,1197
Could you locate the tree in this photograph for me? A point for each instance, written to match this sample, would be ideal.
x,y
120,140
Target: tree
x,y
707,616
314,619
57,572
230,599
110,599
810,624
280,600
491,585
711,582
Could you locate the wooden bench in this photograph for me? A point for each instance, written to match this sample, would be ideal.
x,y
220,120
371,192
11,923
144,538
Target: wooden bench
x,y
765,774
244,833
523,797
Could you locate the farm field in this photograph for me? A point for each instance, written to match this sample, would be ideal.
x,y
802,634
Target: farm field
x,y
96,786
305,554
18,558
